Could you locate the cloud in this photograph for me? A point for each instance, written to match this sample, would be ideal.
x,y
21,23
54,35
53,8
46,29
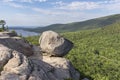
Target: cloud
x,y
40,0
32,1
60,3
7,0
52,12
16,5
42,11
26,1
82,5
111,5
77,5
88,5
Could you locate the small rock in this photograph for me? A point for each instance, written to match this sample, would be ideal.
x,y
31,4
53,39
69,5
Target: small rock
x,y
54,44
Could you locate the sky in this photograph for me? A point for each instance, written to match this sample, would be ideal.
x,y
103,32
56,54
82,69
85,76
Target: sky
x,y
46,12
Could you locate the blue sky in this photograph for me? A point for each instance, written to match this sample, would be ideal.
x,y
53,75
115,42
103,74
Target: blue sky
x,y
45,12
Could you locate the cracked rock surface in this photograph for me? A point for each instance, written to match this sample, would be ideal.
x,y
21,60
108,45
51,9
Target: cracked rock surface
x,y
54,44
20,60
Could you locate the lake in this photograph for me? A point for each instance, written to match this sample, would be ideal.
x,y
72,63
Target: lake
x,y
25,33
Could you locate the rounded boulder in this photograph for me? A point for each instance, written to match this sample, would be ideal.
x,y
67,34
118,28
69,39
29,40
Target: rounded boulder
x,y
54,45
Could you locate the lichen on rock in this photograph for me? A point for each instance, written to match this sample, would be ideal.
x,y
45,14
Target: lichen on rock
x,y
20,60
54,44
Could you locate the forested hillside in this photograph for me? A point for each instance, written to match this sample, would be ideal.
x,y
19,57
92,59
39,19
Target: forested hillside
x,y
96,52
76,26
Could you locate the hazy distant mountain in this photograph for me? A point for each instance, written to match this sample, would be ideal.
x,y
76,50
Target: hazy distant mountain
x,y
22,27
18,27
75,26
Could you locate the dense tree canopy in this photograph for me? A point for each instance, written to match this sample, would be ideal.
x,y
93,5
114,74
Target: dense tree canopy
x,y
2,22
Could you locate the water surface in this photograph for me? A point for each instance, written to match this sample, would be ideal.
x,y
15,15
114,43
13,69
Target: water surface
x,y
25,33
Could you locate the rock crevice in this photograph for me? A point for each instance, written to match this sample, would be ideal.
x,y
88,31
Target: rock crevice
x,y
20,60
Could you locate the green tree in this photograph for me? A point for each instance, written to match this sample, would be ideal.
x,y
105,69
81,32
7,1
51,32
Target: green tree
x,y
2,22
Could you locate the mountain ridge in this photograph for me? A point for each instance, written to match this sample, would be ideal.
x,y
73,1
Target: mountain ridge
x,y
83,25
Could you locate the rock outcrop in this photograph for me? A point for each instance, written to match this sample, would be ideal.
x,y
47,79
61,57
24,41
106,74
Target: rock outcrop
x,y
7,34
54,44
20,60
18,44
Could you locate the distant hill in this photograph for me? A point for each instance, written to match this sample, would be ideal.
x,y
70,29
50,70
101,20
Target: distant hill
x,y
76,26
21,27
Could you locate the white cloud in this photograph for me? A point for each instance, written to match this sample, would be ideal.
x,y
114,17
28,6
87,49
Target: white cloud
x,y
40,0
60,3
82,5
42,11
27,1
77,5
7,0
114,1
51,12
109,5
31,1
88,5
16,5
12,4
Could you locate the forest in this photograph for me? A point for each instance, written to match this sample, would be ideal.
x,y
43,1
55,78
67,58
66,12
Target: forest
x,y
96,52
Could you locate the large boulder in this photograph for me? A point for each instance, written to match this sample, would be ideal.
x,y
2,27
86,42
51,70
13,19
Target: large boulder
x,y
54,44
